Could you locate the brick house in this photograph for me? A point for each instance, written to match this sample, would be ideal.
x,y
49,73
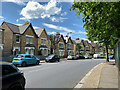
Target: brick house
x,y
60,47
82,51
74,46
49,45
19,39
1,41
92,49
42,41
87,47
69,46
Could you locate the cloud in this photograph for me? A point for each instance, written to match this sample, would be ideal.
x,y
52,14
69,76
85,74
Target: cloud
x,y
80,32
35,27
63,14
52,33
55,19
58,27
34,10
1,18
19,2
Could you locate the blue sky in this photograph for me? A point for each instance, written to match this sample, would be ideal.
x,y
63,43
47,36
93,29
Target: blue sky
x,y
53,16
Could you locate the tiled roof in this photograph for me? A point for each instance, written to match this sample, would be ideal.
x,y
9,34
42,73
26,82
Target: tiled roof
x,y
39,31
1,27
17,29
13,28
23,28
78,41
73,41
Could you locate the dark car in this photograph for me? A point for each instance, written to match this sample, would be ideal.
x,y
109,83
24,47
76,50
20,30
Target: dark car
x,y
52,58
80,57
12,78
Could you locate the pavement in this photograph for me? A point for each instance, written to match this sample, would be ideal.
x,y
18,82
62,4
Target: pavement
x,y
104,75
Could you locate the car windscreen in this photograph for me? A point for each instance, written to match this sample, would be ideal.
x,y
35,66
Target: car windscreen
x,y
19,56
50,56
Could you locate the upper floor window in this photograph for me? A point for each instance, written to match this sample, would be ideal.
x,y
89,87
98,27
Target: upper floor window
x,y
69,45
43,41
17,38
29,39
60,45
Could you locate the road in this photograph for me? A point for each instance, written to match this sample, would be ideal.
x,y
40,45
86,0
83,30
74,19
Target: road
x,y
64,74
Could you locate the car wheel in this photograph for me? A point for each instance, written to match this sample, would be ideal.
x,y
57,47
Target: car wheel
x,y
23,64
37,63
16,87
58,60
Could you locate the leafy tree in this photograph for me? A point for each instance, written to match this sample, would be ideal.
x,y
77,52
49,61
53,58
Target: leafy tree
x,y
101,21
78,47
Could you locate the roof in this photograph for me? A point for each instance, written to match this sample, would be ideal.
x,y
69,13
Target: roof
x,y
67,39
39,31
17,29
1,28
73,41
13,28
23,28
78,41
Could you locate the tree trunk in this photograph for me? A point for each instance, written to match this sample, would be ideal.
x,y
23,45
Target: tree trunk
x,y
107,59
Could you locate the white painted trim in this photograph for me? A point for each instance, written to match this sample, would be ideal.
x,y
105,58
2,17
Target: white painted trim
x,y
16,48
29,36
19,37
43,48
1,46
61,50
29,47
44,38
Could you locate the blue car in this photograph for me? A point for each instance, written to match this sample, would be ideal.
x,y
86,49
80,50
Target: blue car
x,y
25,59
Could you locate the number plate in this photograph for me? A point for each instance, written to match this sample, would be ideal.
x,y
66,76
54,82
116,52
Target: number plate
x,y
15,60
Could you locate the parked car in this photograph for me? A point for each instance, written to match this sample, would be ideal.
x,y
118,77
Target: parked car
x,y
25,59
98,56
52,58
12,78
80,57
111,56
70,57
88,56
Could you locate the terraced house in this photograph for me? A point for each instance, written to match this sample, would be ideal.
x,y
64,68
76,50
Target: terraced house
x,y
42,41
19,39
69,46
82,51
1,41
87,47
60,44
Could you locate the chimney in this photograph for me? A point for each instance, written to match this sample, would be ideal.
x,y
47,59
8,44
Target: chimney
x,y
57,34
26,23
77,38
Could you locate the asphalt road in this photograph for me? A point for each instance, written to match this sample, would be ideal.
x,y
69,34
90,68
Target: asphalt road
x,y
64,74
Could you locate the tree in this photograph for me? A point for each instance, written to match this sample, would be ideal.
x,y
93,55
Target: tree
x,y
78,47
101,21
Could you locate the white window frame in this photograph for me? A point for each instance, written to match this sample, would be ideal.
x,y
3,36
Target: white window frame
x,y
44,39
19,38
29,39
62,45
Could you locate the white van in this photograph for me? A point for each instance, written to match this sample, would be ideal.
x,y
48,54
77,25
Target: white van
x,y
96,56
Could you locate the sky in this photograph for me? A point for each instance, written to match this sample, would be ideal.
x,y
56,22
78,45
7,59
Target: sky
x,y
52,15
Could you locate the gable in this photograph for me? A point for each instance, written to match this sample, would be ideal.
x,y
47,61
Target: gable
x,y
44,34
29,30
70,41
